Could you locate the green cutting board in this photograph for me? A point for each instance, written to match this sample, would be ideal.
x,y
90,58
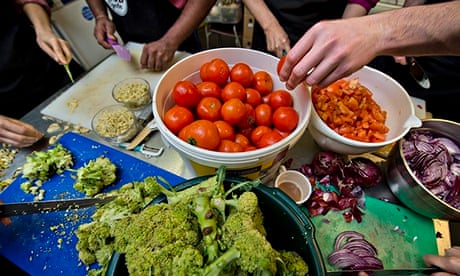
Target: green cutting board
x,y
401,236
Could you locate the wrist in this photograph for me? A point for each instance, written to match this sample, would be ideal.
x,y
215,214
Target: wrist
x,y
101,16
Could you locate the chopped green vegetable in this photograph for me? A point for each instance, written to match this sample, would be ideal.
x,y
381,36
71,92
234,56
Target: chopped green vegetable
x,y
201,230
95,175
41,165
67,69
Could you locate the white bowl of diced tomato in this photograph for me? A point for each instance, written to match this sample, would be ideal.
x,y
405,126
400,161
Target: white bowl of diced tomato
x,y
361,113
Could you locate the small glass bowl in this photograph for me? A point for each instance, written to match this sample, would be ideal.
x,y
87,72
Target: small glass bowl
x,y
115,124
134,93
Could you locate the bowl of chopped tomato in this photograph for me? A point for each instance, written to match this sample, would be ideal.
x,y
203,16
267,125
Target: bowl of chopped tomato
x,y
226,106
361,113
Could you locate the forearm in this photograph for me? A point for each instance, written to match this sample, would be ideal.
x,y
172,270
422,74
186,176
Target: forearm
x,y
38,17
261,13
420,30
191,17
98,8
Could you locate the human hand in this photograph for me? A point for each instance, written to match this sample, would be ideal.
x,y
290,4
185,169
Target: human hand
x,y
401,60
449,263
329,51
277,40
5,221
56,47
157,55
103,29
17,133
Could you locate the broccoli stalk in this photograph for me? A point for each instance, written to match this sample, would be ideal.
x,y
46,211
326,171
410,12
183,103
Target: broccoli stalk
x,y
216,267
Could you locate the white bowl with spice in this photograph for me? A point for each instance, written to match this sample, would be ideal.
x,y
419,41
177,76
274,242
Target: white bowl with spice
x,y
390,96
115,124
134,93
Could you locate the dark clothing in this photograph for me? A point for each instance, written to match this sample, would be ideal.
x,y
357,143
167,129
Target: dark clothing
x,y
443,96
28,75
297,16
147,21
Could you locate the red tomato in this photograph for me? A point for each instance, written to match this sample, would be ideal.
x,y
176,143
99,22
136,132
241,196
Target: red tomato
x,y
269,138
280,64
249,119
263,115
262,82
229,146
209,89
242,140
253,97
285,118
209,109
280,98
226,131
282,133
201,133
233,111
242,73
186,94
177,117
216,70
258,132
233,90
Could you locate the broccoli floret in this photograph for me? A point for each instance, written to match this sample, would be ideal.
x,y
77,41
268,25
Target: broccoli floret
x,y
94,243
95,175
292,264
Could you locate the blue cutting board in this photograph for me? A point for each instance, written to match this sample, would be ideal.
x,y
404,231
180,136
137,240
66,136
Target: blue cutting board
x,y
44,244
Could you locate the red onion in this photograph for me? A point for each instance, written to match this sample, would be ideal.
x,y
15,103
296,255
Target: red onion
x,y
353,252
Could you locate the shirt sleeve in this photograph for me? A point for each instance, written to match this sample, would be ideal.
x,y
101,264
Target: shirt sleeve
x,y
367,4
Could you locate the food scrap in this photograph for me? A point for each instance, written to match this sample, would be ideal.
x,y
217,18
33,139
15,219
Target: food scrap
x,y
94,176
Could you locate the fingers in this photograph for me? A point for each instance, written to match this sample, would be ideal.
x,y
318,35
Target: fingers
x,y
17,133
449,263
5,221
156,57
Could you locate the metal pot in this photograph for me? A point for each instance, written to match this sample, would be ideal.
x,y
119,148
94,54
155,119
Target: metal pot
x,y
408,189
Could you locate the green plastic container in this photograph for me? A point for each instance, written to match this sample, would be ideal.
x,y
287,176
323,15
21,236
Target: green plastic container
x,y
288,226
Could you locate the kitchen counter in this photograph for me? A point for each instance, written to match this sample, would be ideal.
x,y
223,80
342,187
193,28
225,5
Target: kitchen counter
x,y
170,161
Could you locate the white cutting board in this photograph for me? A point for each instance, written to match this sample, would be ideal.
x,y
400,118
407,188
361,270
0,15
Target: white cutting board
x,y
94,90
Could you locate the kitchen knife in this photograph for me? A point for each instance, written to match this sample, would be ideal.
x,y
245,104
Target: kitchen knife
x,y
24,208
393,272
418,73
121,51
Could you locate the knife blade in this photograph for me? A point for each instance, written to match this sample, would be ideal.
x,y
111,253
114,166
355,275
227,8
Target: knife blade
x,y
24,208
383,272
418,73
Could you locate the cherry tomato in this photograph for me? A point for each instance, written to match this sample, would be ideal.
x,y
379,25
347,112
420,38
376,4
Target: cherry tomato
x,y
258,132
226,131
229,146
242,73
282,133
263,115
209,89
242,140
177,117
280,98
269,138
262,82
209,109
280,64
233,90
217,70
233,111
285,118
249,119
253,97
186,94
201,133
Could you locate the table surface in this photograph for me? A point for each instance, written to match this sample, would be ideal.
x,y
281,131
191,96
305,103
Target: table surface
x,y
172,162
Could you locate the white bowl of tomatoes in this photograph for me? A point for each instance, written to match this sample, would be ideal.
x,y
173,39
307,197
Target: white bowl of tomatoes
x,y
226,106
361,113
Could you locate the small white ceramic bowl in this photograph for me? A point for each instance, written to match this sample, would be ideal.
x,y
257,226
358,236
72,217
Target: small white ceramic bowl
x,y
391,97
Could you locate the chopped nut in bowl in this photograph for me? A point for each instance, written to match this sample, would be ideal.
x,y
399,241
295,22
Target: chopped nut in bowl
x,y
115,123
134,93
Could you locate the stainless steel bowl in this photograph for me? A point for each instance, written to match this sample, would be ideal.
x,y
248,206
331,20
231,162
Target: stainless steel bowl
x,y
408,189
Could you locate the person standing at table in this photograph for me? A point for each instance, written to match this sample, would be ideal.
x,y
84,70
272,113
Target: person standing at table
x,y
281,23
31,66
165,26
